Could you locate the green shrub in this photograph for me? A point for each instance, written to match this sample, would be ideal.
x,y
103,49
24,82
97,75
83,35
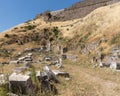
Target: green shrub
x,y
56,31
50,33
30,27
46,29
51,39
24,30
67,29
71,25
33,75
56,17
21,27
16,28
61,38
48,14
7,35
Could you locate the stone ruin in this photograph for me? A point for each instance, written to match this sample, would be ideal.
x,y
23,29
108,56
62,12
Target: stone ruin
x,y
46,48
26,60
54,60
20,81
113,60
20,84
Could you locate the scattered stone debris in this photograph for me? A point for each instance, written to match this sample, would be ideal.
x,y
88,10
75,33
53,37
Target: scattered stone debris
x,y
64,57
20,82
47,58
39,49
24,59
112,61
72,57
57,63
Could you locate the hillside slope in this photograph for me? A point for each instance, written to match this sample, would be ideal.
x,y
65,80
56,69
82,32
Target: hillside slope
x,y
80,9
95,36
94,27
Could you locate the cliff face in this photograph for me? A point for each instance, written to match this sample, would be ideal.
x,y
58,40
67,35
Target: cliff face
x,y
81,9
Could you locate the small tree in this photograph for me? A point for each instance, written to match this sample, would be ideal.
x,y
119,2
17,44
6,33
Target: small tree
x,y
56,31
7,35
30,27
48,14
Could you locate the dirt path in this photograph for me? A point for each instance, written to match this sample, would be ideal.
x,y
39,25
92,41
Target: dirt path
x,y
101,86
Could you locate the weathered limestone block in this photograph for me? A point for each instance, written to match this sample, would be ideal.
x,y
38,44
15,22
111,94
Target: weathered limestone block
x,y
45,79
61,73
20,84
115,66
14,62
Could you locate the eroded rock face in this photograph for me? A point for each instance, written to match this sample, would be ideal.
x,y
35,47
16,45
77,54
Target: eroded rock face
x,y
78,10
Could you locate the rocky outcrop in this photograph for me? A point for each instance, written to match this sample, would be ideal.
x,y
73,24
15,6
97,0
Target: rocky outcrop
x,y
78,10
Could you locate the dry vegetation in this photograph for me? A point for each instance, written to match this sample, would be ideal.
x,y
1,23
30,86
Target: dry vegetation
x,y
85,81
88,82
